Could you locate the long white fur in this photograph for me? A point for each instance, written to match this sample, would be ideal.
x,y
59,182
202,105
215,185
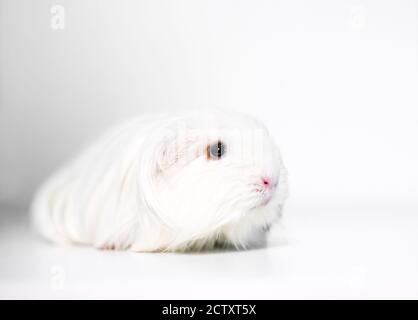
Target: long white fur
x,y
147,185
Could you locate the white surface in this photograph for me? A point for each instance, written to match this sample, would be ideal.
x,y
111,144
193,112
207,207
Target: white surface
x,y
324,256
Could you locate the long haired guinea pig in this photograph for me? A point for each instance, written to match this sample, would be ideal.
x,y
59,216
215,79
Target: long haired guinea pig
x,y
190,181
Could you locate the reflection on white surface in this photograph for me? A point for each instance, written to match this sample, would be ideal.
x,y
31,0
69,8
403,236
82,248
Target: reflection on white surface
x,y
324,255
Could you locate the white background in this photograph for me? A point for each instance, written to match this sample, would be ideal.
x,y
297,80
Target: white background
x,y
335,81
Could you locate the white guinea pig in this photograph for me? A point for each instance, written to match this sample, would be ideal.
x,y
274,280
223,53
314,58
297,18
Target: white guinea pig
x,y
191,181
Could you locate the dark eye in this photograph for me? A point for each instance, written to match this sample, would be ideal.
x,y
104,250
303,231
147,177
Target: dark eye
x,y
216,150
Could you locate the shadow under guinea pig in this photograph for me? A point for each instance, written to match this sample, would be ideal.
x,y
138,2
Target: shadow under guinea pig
x,y
271,239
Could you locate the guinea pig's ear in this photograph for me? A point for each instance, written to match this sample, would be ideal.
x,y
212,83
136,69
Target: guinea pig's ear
x,y
178,148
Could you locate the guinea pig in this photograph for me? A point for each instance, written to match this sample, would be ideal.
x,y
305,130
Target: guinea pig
x,y
196,180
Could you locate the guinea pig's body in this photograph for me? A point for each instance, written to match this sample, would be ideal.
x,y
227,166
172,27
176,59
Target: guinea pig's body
x,y
168,183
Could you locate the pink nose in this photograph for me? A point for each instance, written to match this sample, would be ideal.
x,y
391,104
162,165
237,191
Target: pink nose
x,y
266,182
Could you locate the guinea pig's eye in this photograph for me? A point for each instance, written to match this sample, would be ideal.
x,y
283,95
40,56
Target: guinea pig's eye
x,y
215,150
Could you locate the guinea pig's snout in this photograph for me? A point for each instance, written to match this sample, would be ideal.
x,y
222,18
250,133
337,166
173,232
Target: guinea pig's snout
x,y
266,188
268,182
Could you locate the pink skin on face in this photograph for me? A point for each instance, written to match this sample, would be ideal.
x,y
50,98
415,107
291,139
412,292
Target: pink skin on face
x,y
268,189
